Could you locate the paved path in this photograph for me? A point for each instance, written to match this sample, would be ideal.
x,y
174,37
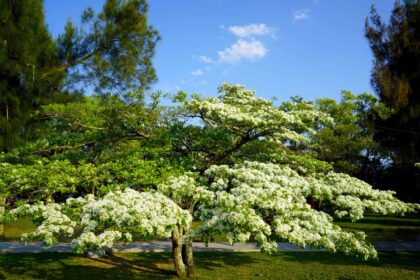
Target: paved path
x,y
165,246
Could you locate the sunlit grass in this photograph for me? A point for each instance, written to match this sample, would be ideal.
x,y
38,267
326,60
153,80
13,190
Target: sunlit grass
x,y
14,229
388,228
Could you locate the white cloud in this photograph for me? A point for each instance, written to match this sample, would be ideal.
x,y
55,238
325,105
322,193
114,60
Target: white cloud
x,y
245,48
206,59
242,50
197,72
250,30
301,14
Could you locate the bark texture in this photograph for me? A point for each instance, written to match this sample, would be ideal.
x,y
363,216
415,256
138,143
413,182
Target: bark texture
x,y
182,254
2,209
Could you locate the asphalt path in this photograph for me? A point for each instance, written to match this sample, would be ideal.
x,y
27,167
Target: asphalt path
x,y
166,246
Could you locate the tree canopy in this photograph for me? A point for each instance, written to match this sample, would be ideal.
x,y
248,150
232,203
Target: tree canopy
x,y
227,163
395,78
111,51
348,142
27,49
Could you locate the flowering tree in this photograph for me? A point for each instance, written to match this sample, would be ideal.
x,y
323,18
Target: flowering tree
x,y
229,189
103,144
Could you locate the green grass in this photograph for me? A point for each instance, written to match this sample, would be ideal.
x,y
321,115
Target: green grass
x,y
211,265
388,228
13,230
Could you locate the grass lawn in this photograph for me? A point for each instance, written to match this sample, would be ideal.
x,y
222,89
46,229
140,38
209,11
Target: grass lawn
x,y
13,230
386,228
210,265
217,265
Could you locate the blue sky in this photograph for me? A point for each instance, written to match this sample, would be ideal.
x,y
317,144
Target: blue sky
x,y
310,48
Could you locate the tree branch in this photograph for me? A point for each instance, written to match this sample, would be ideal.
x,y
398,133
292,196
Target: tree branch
x,y
67,66
50,151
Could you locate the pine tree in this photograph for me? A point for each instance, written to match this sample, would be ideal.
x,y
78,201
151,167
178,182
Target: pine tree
x,y
112,52
26,49
396,78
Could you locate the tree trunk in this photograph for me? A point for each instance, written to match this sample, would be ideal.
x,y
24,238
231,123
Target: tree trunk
x,y
2,209
312,202
182,254
188,258
7,112
177,252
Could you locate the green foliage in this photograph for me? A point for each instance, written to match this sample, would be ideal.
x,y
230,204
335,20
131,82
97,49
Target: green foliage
x,y
111,51
348,142
396,78
26,50
139,168
96,146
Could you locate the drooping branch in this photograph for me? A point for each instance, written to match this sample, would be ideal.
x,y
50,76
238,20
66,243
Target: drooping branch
x,y
50,151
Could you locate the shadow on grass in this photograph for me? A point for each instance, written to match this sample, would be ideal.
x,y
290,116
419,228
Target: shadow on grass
x,y
142,265
70,266
117,266
404,259
160,266
216,260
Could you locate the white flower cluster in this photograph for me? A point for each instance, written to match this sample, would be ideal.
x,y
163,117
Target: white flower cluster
x,y
250,200
352,197
88,241
128,212
237,110
145,213
260,200
51,221
185,191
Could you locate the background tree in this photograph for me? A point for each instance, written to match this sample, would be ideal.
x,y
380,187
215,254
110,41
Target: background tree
x,y
111,52
26,50
348,142
396,80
